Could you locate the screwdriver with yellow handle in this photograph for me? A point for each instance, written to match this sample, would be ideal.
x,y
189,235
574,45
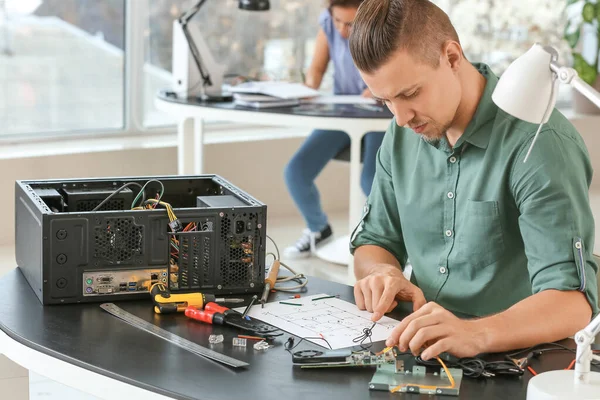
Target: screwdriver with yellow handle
x,y
270,282
165,302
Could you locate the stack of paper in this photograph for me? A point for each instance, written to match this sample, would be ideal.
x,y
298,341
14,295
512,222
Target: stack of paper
x,y
267,94
262,101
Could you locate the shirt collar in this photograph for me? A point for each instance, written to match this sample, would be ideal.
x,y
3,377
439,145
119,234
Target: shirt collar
x,y
486,111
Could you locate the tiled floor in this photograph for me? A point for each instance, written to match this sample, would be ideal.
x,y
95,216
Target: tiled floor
x,y
17,384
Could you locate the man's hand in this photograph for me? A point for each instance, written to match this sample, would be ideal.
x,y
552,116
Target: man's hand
x,y
439,330
380,291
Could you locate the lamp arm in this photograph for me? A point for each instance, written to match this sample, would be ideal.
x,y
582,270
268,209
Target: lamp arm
x,y
584,356
183,21
570,76
206,81
189,14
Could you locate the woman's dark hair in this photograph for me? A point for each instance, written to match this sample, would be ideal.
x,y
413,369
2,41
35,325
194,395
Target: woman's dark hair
x,y
344,3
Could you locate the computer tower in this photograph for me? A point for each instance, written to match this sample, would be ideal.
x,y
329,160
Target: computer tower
x,y
71,251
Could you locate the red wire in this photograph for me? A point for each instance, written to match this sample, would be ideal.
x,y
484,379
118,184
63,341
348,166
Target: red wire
x,y
571,365
532,371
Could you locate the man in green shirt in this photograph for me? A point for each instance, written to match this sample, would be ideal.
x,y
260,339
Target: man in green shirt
x,y
503,244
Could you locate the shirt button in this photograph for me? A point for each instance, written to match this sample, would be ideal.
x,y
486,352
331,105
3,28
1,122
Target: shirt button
x,y
452,159
442,270
577,245
450,195
448,233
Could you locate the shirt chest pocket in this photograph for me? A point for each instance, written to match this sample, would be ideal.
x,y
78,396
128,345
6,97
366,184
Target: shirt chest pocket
x,y
480,240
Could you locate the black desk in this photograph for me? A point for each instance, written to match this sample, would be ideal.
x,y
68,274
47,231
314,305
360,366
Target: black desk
x,y
91,339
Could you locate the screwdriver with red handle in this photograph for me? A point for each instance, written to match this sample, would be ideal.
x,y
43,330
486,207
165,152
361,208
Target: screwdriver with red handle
x,y
208,316
215,314
214,307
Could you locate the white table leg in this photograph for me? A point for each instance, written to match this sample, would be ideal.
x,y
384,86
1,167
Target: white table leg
x,y
190,146
357,198
338,251
198,148
185,146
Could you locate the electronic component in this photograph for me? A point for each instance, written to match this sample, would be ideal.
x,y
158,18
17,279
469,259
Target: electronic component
x,y
215,339
340,358
59,236
219,201
52,198
239,342
416,380
86,199
111,282
262,345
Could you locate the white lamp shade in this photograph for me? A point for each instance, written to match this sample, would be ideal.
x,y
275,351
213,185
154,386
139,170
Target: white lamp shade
x,y
525,88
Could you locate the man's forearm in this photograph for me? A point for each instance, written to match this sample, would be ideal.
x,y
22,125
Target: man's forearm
x,y
547,316
370,258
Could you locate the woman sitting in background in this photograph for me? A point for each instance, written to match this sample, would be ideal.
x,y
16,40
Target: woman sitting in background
x,y
323,145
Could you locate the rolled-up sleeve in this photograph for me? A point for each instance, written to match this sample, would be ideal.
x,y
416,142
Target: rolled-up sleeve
x,y
556,221
380,223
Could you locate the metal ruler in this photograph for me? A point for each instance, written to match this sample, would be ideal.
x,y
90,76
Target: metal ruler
x,y
171,337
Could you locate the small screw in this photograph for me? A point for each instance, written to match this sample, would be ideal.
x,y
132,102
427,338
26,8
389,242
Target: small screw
x,y
371,386
259,226
221,214
219,287
251,284
439,391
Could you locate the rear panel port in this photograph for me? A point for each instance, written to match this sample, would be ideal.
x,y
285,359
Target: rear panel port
x,y
153,277
240,227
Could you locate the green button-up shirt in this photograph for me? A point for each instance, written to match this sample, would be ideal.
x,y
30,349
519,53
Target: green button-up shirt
x,y
482,229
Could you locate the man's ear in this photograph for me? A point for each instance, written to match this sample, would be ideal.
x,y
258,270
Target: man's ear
x,y
452,54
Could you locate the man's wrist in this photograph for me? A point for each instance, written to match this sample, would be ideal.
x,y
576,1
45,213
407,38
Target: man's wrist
x,y
386,269
485,333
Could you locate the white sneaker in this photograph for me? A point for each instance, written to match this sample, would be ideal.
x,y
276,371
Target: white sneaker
x,y
308,243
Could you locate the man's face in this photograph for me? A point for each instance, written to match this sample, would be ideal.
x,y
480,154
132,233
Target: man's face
x,y
343,18
420,96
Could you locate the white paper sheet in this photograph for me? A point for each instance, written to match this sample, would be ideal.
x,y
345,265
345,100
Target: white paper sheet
x,y
340,99
337,320
283,90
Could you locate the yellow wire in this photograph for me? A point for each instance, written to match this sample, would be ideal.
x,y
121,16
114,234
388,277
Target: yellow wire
x,y
429,387
384,351
170,213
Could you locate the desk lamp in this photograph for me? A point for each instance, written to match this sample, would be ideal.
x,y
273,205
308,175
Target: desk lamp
x,y
527,90
195,71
